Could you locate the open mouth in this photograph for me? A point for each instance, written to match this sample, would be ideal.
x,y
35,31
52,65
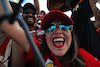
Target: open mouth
x,y
58,42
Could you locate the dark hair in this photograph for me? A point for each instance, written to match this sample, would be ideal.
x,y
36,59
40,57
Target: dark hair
x,y
14,5
43,12
71,56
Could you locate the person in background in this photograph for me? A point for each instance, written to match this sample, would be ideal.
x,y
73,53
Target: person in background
x,y
39,18
39,31
96,13
84,28
42,14
28,15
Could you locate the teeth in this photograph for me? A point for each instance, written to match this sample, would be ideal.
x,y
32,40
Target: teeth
x,y
59,39
30,18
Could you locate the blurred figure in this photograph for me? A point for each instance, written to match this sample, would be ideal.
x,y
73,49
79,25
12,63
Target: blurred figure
x,y
96,13
39,31
84,28
28,15
10,54
40,16
38,25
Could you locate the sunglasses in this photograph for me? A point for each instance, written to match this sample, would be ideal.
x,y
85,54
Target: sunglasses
x,y
63,26
27,12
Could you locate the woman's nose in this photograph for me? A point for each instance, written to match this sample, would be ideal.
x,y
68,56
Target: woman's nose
x,y
58,31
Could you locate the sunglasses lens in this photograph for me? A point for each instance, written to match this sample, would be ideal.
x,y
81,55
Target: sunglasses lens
x,y
33,12
65,28
51,29
27,12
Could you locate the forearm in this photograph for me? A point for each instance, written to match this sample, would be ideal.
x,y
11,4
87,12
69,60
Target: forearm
x,y
16,33
17,56
36,2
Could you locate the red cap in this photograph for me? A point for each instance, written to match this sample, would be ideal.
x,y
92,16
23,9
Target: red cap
x,y
55,15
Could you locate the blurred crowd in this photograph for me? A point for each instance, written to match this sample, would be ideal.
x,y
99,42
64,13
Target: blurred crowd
x,y
62,41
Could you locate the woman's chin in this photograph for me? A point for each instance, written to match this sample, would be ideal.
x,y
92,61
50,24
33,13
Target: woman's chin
x,y
60,53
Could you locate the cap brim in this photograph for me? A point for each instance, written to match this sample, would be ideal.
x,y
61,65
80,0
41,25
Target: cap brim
x,y
55,15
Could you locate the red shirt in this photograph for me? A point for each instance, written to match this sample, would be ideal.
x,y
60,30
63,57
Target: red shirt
x,y
90,60
29,62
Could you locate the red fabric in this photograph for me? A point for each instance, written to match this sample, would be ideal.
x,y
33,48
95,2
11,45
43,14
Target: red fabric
x,y
4,45
90,60
38,43
55,58
30,53
30,57
98,30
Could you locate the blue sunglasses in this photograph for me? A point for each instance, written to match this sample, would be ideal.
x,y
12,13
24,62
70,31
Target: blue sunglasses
x,y
63,27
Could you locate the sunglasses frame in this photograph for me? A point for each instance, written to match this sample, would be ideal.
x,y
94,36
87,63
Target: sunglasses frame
x,y
59,27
